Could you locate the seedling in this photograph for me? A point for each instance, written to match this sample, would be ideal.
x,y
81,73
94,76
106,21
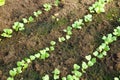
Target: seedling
x,y
7,33
98,7
10,78
46,77
53,43
37,13
13,72
30,19
44,54
68,30
117,31
88,18
18,26
116,78
25,20
76,72
56,73
110,38
47,7
78,24
61,39
2,2
57,2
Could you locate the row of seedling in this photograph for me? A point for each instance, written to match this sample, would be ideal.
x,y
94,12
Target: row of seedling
x,y
91,59
20,26
43,54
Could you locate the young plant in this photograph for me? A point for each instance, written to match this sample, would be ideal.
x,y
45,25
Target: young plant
x,y
44,54
110,38
56,73
116,78
88,18
76,72
37,13
98,7
117,31
46,77
2,2
78,24
61,39
7,33
57,2
18,26
47,7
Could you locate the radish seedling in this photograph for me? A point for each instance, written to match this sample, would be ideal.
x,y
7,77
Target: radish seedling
x,y
37,13
47,6
46,77
7,33
2,2
56,73
78,24
88,18
18,26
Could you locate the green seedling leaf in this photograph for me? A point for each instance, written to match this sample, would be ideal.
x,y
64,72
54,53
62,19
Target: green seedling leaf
x,y
117,31
90,63
44,55
68,37
2,2
13,72
75,77
52,48
7,33
30,19
57,2
32,57
64,78
37,55
70,77
25,66
88,18
36,14
25,20
52,43
10,78
84,65
76,67
19,70
78,24
116,78
46,77
27,60
88,57
110,38
95,53
77,73
47,6
61,39
18,26
47,49
56,73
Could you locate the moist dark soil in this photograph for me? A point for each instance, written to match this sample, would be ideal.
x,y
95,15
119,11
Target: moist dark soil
x,y
38,34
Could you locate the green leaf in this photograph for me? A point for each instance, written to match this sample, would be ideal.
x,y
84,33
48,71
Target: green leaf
x,y
52,43
70,77
46,77
31,19
76,67
95,53
84,65
2,2
88,57
25,20
13,72
32,57
64,78
88,18
19,70
37,55
10,78
56,71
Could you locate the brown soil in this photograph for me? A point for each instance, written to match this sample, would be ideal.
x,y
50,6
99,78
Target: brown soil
x,y
39,33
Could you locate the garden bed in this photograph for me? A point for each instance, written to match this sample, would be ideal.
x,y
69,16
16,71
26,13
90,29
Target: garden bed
x,y
37,35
